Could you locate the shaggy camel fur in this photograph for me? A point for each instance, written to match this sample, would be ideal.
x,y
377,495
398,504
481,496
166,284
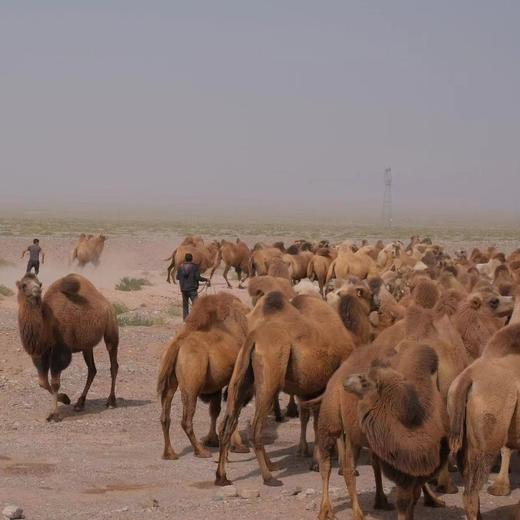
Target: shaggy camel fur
x,y
318,267
483,407
205,256
404,419
295,347
199,361
234,255
297,262
88,249
347,263
261,285
73,316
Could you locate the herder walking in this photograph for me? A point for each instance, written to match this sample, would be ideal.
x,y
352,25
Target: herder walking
x,y
189,278
34,251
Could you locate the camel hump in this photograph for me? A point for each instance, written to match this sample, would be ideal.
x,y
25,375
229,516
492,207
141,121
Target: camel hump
x,y
274,302
70,285
210,309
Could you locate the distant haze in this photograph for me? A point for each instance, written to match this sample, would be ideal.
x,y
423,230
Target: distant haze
x,y
271,108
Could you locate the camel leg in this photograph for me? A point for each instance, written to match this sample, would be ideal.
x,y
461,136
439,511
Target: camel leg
x,y
237,446
303,447
340,445
263,405
292,408
211,440
315,455
42,365
166,404
112,343
405,502
225,273
277,410
502,486
325,468
54,414
169,276
477,466
350,480
381,501
88,356
189,404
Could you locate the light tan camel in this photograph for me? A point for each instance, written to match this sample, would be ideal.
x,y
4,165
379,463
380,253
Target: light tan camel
x,y
297,262
236,255
261,285
348,263
483,407
73,316
199,361
88,249
206,256
260,259
295,347
319,266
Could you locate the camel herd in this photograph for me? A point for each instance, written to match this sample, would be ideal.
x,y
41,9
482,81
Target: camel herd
x,y
407,351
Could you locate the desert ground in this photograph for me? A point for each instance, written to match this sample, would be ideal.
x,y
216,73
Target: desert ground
x,y
106,463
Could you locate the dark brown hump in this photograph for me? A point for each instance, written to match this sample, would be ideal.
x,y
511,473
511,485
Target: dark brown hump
x,y
273,302
426,294
70,285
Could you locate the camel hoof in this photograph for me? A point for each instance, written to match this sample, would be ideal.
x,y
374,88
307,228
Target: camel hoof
x,y
79,406
433,502
170,455
63,398
223,481
203,454
450,489
499,490
54,417
240,449
303,452
314,466
111,402
383,505
211,442
292,412
273,482
280,418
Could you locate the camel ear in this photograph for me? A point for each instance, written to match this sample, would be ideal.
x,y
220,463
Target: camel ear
x,y
359,293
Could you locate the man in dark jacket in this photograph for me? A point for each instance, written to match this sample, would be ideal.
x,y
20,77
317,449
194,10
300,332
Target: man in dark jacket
x,y
189,277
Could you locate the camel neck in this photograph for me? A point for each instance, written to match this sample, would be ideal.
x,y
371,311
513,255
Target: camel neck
x,y
32,327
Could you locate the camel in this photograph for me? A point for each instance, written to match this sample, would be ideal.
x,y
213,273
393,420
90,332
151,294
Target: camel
x,y
261,258
404,419
318,267
235,255
483,409
297,261
73,316
294,346
205,256
199,361
347,263
88,249
488,268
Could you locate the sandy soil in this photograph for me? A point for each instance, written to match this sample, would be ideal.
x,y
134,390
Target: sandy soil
x,y
107,463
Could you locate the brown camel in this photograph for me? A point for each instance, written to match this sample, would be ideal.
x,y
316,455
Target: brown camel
x,y
73,316
404,419
88,249
199,361
260,259
236,255
295,347
297,261
348,263
318,268
278,268
483,408
205,256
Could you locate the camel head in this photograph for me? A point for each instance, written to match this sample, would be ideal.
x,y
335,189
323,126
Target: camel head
x,y
30,289
492,303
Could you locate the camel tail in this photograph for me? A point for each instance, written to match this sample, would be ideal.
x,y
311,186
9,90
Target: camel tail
x,y
310,269
241,385
457,411
312,403
167,377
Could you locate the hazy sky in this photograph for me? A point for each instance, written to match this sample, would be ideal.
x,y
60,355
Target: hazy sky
x,y
260,106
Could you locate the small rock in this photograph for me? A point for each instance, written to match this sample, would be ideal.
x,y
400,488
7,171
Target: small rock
x,y
13,512
227,492
248,494
291,492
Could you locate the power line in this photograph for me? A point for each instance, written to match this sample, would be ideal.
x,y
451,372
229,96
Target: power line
x,y
387,199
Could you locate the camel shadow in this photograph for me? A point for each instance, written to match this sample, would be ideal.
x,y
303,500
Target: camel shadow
x,y
96,406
